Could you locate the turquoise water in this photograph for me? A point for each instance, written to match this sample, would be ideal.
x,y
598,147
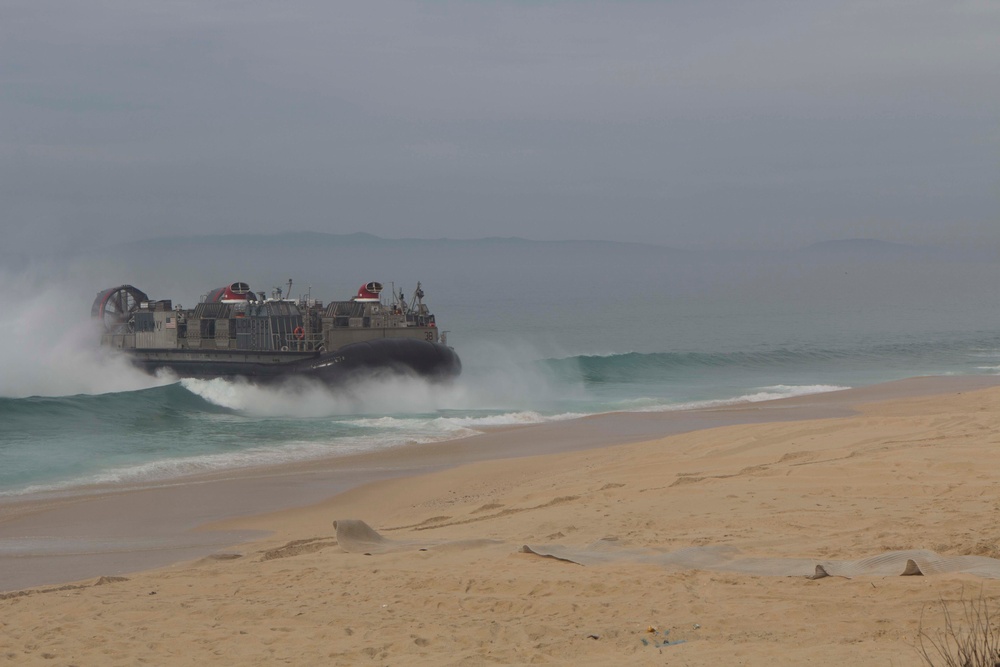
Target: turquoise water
x,y
659,339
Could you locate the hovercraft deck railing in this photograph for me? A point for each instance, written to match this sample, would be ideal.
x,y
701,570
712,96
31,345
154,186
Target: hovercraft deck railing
x,y
303,343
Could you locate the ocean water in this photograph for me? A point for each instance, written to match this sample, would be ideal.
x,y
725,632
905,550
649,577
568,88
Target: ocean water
x,y
624,338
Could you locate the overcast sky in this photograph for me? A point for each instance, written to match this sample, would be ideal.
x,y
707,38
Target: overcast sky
x,y
684,123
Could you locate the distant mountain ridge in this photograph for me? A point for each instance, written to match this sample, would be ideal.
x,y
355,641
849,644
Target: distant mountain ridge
x,y
861,247
324,239
875,249
865,245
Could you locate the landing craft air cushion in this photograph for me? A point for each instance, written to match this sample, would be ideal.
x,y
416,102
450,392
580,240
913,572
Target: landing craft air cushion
x,y
235,332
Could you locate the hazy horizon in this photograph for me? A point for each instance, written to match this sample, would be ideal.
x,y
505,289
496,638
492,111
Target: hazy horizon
x,y
692,125
846,245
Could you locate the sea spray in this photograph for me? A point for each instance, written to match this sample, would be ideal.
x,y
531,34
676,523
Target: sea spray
x,y
49,345
494,379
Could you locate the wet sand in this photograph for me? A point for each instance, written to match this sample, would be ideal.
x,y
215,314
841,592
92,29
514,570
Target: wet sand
x,y
111,531
839,475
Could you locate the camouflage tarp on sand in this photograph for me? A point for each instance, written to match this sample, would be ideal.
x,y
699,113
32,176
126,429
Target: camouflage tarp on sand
x,y
358,537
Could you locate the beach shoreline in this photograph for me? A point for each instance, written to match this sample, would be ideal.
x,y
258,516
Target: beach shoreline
x,y
115,530
849,477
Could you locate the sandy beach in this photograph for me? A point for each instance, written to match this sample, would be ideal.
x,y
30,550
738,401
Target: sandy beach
x,y
821,479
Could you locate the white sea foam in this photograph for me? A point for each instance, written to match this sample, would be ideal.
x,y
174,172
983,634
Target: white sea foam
x,y
385,433
494,379
463,425
49,346
771,393
162,470
388,432
310,399
788,391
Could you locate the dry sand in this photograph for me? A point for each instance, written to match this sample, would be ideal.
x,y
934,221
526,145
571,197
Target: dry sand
x,y
912,473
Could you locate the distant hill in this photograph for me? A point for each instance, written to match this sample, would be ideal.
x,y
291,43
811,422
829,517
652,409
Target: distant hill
x,y
312,240
873,249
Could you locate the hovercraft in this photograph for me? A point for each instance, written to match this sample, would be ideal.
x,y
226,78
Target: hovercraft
x,y
236,332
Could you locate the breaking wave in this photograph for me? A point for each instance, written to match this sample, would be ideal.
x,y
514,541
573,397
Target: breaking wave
x,y
130,429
